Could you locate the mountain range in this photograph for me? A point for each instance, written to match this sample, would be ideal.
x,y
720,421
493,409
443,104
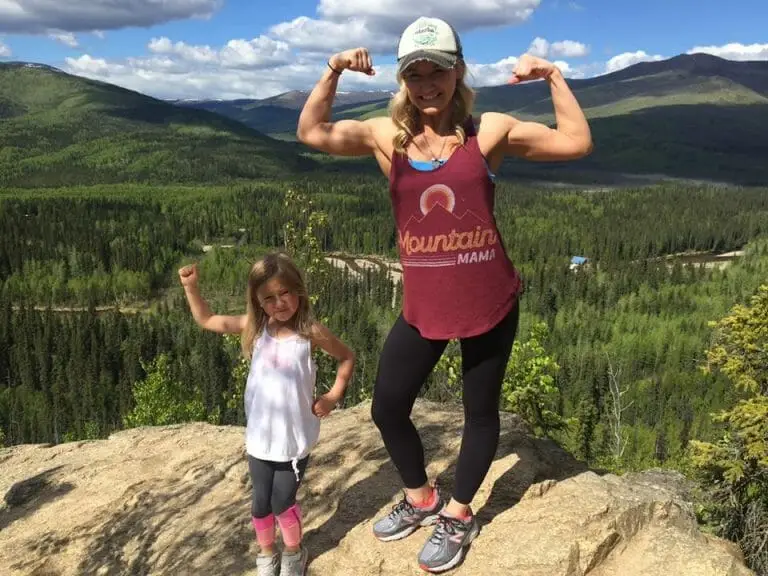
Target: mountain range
x,y
278,115
57,129
693,116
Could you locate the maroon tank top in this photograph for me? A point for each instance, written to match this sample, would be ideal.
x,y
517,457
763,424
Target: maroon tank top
x,y
457,278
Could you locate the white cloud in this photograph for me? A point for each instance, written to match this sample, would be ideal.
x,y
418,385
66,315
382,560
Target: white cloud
x,y
565,68
200,54
568,49
628,59
735,51
377,24
588,70
99,34
391,16
165,77
86,65
66,38
385,79
539,47
327,37
259,52
500,72
5,51
491,74
38,16
542,48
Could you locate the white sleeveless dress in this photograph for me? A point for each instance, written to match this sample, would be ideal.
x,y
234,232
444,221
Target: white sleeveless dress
x,y
278,400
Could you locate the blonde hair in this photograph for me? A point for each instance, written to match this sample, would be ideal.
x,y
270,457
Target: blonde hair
x,y
407,119
280,266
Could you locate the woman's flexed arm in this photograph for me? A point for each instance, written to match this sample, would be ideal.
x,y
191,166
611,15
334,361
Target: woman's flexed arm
x,y
571,139
315,129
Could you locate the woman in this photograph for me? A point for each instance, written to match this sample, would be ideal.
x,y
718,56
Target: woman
x,y
458,282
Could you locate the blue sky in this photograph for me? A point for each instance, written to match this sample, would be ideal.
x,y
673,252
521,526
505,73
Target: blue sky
x,y
256,48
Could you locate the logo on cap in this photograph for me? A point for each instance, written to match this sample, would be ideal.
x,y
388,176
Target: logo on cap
x,y
425,35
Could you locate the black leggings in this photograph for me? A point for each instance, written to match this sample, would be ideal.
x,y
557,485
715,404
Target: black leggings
x,y
404,365
274,485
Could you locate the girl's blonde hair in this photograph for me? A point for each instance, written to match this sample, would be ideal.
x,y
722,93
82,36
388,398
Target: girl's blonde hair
x,y
280,266
407,119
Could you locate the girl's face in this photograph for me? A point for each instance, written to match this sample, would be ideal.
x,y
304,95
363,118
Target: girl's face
x,y
430,88
277,300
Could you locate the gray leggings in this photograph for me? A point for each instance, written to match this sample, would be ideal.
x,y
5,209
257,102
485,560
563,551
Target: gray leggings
x,y
274,485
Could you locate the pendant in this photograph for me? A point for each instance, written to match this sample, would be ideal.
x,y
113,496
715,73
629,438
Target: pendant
x,y
435,163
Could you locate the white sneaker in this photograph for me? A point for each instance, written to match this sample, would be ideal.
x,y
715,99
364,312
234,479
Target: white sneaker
x,y
294,563
268,565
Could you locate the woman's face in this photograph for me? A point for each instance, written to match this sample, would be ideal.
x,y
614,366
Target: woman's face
x,y
430,88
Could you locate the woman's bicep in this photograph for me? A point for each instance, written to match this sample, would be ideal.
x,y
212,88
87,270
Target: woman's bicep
x,y
505,135
536,141
342,138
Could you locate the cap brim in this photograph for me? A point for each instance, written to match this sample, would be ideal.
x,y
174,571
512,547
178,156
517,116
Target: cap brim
x,y
443,59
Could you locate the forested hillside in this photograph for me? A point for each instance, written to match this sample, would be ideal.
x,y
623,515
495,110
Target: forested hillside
x,y
109,255
58,130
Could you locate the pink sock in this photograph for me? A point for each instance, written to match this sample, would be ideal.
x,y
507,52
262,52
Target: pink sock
x,y
265,530
428,503
290,526
466,517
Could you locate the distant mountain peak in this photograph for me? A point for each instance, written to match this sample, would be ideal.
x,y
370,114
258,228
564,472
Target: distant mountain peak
x,y
19,64
701,63
697,57
697,61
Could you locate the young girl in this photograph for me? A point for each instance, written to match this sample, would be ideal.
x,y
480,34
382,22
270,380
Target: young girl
x,y
278,335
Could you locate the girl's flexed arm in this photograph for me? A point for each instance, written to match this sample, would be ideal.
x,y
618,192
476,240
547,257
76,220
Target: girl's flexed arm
x,y
201,312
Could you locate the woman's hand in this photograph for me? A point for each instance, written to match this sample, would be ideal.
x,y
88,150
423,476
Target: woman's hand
x,y
356,60
531,68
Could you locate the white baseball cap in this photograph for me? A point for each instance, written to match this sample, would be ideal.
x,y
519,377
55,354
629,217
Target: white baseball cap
x,y
428,39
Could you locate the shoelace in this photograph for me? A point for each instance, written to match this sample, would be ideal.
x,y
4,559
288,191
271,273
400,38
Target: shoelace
x,y
400,507
445,526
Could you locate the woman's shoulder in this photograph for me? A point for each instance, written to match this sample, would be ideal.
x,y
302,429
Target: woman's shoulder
x,y
492,129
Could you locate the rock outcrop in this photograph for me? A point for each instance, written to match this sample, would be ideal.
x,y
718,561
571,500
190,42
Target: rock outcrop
x,y
175,500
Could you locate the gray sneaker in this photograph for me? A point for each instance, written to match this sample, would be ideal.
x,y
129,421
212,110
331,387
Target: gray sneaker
x,y
268,565
405,518
445,548
294,563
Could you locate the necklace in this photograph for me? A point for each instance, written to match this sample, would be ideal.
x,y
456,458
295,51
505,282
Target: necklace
x,y
435,159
